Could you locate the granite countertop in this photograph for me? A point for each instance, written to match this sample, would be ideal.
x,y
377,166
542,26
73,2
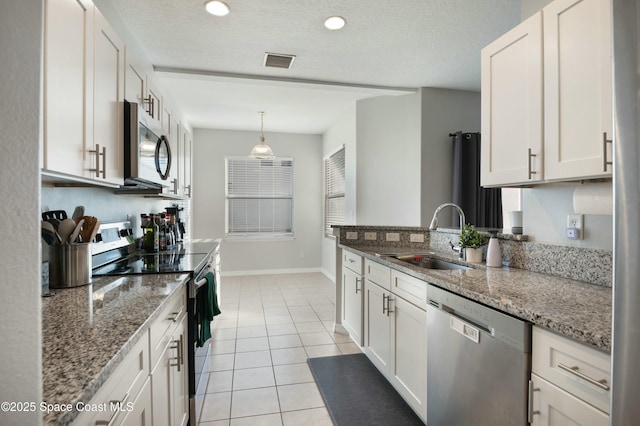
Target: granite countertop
x,y
575,309
87,331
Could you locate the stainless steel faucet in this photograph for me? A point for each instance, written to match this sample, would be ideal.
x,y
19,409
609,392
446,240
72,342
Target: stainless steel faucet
x,y
434,222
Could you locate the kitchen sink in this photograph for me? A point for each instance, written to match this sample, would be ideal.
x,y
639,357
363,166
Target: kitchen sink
x,y
430,262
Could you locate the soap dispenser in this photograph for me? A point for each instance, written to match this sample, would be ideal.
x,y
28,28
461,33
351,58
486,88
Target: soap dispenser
x,y
494,257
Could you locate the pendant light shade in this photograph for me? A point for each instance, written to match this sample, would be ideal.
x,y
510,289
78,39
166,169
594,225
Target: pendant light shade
x,y
262,151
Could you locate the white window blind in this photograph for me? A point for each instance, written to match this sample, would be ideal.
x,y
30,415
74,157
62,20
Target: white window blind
x,y
259,196
334,191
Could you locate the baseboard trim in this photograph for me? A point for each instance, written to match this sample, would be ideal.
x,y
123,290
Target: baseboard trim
x,y
329,275
272,272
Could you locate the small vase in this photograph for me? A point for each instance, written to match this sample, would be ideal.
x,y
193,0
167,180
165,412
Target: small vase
x,y
473,255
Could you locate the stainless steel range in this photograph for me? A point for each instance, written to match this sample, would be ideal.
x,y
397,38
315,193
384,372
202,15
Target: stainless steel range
x,y
114,253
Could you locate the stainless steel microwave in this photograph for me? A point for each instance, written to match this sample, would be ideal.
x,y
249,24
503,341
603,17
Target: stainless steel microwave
x,y
147,153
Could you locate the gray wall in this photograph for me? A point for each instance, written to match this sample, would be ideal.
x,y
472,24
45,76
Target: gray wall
x,y
444,111
20,328
208,205
343,132
388,161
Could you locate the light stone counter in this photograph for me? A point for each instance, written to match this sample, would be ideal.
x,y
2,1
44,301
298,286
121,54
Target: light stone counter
x,y
575,309
87,331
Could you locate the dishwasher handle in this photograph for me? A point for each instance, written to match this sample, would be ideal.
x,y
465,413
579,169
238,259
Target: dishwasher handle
x,y
465,320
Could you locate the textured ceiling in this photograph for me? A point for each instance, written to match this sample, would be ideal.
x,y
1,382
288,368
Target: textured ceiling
x,y
391,44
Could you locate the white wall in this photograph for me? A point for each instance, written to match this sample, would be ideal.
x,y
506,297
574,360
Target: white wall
x,y
544,218
208,205
444,111
21,318
388,161
343,132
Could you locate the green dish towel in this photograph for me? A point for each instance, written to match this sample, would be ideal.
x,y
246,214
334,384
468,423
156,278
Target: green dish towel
x,y
206,309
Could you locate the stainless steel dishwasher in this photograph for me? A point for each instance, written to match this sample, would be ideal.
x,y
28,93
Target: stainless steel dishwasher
x,y
478,363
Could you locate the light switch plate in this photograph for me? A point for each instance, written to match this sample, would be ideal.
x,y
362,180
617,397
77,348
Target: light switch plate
x,y
371,236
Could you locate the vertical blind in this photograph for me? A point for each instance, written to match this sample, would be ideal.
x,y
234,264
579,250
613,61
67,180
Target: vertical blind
x,y
259,196
334,191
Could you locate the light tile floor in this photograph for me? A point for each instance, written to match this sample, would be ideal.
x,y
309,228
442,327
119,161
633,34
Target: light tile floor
x,y
269,326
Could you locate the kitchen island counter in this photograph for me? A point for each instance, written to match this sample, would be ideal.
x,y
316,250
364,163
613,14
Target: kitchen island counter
x,y
87,331
575,309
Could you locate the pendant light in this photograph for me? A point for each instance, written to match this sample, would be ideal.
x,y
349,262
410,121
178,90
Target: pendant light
x,y
262,151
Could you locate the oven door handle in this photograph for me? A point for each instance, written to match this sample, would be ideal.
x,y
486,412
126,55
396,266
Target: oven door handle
x,y
194,285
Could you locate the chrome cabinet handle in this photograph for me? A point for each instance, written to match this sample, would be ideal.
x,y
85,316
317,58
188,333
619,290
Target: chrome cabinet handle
x,y
605,142
97,153
531,172
358,281
530,411
389,300
188,190
150,101
602,384
179,353
175,186
384,307
175,315
104,162
115,413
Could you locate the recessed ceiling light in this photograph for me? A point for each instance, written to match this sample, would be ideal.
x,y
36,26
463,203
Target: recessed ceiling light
x,y
334,22
217,7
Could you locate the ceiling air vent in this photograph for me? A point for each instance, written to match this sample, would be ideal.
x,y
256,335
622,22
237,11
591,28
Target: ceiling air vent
x,y
278,60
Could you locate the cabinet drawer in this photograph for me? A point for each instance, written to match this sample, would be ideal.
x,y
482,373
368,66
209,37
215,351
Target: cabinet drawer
x,y
161,329
377,273
573,367
352,261
409,288
122,386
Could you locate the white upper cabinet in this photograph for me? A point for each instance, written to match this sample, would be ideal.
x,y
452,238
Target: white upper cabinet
x,y
106,148
546,97
578,116
134,79
187,147
511,151
67,51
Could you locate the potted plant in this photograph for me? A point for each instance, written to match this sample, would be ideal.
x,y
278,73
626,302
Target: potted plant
x,y
472,241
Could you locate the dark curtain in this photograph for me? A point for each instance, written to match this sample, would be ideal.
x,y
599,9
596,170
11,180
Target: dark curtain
x,y
481,206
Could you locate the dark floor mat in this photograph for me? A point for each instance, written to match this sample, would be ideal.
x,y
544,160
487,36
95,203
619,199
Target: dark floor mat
x,y
356,393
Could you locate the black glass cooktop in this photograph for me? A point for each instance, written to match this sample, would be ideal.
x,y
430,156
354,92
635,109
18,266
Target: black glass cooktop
x,y
154,263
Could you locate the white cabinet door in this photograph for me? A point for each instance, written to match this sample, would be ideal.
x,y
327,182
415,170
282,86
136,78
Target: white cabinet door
x,y
577,89
108,97
179,378
186,164
134,80
140,414
409,354
352,292
511,122
161,388
67,51
377,326
554,407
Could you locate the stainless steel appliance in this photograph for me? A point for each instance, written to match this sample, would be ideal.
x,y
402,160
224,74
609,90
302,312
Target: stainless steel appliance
x,y
478,363
625,382
147,153
114,254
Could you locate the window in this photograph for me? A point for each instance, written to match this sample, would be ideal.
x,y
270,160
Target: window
x,y
259,197
333,191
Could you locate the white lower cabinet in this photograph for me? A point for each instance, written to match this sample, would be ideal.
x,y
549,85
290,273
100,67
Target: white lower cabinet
x,y
352,284
553,406
569,382
140,414
169,387
395,340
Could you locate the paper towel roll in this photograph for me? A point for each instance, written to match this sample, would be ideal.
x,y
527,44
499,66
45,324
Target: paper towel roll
x,y
593,198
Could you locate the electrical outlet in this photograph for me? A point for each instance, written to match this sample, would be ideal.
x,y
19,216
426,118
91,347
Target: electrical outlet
x,y
393,236
416,238
371,236
352,235
575,228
